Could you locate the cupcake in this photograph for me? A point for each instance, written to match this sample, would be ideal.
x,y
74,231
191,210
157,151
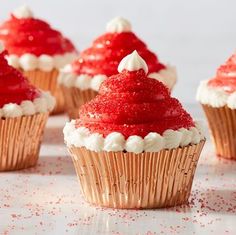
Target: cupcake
x,y
81,79
218,99
23,114
37,50
134,146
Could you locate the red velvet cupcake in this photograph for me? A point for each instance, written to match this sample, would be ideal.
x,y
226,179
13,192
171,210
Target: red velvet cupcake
x,y
37,50
134,146
23,114
82,79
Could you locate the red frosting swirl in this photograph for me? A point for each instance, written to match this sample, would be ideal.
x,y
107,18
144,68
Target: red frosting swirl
x,y
30,35
108,50
14,88
132,104
226,76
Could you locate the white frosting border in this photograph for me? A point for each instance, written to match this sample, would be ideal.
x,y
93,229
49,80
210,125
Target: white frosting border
x,y
66,77
43,62
43,104
153,142
215,96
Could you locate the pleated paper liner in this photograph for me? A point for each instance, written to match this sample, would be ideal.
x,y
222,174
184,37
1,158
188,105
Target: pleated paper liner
x,y
48,81
222,124
20,140
74,98
128,180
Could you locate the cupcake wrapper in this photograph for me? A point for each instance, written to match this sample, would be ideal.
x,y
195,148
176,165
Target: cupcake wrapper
x,y
74,98
222,123
128,180
48,81
20,140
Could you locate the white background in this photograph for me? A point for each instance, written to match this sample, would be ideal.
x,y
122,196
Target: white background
x,y
196,36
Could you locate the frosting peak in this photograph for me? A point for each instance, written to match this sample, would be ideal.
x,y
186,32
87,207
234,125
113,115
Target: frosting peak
x,y
23,12
133,62
118,25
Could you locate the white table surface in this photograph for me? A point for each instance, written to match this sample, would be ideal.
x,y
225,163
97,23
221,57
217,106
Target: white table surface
x,y
47,199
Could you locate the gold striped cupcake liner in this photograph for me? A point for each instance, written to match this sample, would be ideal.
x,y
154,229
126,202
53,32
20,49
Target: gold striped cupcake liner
x,y
74,98
222,124
128,180
20,140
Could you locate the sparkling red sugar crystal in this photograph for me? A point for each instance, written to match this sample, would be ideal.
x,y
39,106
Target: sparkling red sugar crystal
x,y
30,35
108,50
226,76
133,104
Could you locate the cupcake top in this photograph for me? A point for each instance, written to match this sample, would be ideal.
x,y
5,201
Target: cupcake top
x,y
134,113
101,60
33,44
221,90
17,96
